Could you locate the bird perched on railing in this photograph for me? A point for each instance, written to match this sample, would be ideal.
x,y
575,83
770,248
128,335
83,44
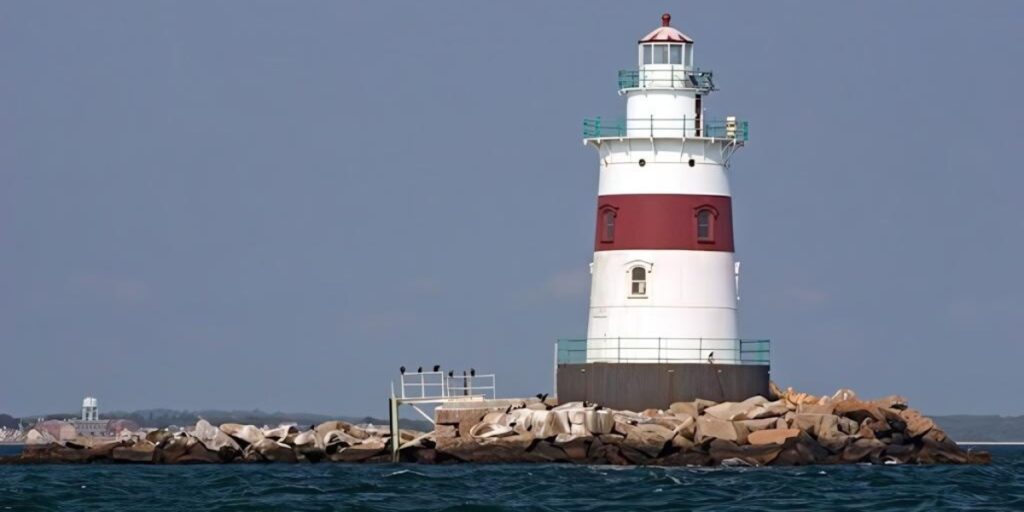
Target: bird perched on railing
x,y
419,370
451,374
437,367
401,370
472,372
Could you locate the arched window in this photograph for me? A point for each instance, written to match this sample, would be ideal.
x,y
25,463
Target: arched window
x,y
607,225
638,277
706,224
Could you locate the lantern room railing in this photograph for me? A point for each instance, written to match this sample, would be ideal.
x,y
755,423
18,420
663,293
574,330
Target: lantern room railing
x,y
664,350
672,78
728,128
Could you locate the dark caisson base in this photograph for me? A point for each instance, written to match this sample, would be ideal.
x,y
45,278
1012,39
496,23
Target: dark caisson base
x,y
639,386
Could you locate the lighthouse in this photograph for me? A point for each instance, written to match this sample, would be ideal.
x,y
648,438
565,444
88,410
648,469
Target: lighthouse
x,y
662,321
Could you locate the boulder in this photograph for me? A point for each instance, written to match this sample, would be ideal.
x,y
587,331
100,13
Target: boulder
x,y
721,450
848,426
826,408
809,422
858,410
772,436
549,452
613,439
274,451
158,436
197,453
736,410
687,408
843,394
360,452
280,433
505,449
801,450
755,425
769,410
575,447
213,438
599,422
712,428
649,438
687,428
486,430
702,404
917,426
680,442
140,452
891,402
337,439
863,449
244,435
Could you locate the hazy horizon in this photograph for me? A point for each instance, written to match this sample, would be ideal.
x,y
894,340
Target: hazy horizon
x,y
240,205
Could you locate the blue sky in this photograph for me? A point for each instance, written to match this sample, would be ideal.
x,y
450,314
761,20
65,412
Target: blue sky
x,y
266,204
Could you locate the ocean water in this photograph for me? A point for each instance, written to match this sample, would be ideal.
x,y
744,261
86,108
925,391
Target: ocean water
x,y
316,487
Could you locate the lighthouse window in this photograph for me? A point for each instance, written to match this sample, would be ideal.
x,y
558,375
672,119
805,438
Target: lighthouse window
x,y
639,281
661,54
677,53
608,226
705,225
647,54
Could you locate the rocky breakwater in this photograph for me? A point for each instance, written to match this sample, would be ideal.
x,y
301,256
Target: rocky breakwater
x,y
789,429
332,441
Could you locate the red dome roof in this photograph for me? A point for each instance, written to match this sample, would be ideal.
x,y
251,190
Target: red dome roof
x,y
665,33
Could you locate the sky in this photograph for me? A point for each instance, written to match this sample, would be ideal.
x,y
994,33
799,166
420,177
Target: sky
x,y
274,205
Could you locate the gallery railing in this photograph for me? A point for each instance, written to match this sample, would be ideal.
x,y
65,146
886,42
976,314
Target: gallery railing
x,y
728,128
664,350
670,78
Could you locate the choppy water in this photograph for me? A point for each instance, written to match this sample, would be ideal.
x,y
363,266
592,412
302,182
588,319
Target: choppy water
x,y
999,486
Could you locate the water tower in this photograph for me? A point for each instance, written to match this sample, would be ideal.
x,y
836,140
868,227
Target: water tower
x,y
664,278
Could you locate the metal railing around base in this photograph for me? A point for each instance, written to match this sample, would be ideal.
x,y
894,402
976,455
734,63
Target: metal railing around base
x,y
664,350
687,127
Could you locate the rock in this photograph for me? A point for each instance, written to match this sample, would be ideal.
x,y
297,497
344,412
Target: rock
x,y
198,454
801,450
486,430
736,410
680,442
858,410
687,408
360,452
702,404
337,439
772,436
687,428
213,438
274,451
769,410
848,426
549,452
613,439
599,422
140,452
917,425
158,436
863,449
712,428
843,394
506,449
827,408
242,434
755,425
808,422
881,428
649,438
575,447
634,456
899,453
891,402
651,413
865,432
754,455
280,433
444,431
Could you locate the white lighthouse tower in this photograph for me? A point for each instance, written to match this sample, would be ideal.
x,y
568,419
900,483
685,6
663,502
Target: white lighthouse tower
x,y
664,274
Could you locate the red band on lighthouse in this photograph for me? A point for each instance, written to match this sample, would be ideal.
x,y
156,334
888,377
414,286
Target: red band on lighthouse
x,y
664,222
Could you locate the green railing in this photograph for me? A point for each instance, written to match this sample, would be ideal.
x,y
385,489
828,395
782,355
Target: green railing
x,y
664,350
729,128
675,78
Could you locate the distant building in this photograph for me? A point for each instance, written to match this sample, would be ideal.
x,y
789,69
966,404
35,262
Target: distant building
x,y
90,424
